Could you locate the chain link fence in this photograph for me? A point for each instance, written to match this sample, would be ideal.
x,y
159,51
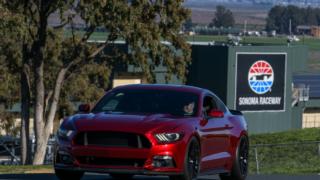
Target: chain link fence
x,y
10,151
289,158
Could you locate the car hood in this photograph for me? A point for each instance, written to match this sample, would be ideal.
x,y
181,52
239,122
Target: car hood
x,y
125,122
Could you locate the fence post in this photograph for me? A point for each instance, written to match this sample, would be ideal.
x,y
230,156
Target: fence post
x,y
49,154
13,151
257,160
319,148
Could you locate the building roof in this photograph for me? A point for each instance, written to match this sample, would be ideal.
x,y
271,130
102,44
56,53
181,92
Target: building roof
x,y
304,27
15,108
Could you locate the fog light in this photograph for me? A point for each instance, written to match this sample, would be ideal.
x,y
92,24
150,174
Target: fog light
x,y
65,158
162,161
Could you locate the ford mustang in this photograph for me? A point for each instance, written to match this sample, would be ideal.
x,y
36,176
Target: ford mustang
x,y
171,130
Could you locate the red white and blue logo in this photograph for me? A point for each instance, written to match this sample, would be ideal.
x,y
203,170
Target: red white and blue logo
x,y
261,77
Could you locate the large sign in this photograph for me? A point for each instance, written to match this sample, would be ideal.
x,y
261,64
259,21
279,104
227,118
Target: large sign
x,y
260,81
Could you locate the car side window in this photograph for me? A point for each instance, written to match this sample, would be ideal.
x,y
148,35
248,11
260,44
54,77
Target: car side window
x,y
220,104
209,104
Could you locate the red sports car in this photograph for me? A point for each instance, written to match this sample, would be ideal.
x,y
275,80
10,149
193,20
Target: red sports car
x,y
172,130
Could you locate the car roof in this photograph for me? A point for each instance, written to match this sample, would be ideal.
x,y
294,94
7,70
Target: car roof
x,y
174,87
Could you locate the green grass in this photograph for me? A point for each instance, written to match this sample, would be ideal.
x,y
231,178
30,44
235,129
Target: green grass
x,y
293,136
311,42
10,169
296,158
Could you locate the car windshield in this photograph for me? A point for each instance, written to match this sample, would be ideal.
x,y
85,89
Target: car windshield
x,y
142,101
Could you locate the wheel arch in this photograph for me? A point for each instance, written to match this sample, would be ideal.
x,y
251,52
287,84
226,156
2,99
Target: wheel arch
x,y
234,143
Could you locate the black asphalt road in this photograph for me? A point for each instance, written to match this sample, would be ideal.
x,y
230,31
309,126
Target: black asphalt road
x,y
106,177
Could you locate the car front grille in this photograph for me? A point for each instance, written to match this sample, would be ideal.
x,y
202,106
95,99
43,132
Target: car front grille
x,y
100,161
112,139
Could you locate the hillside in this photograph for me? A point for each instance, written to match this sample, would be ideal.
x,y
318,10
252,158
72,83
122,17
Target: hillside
x,y
203,12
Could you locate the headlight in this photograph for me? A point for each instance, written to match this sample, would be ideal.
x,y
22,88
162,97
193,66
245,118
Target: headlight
x,y
64,133
168,137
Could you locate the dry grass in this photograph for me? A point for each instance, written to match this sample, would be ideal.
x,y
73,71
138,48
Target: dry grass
x,y
44,169
40,171
203,12
205,16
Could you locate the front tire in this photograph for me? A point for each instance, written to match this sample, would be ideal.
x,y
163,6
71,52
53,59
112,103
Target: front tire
x,y
67,175
191,163
240,164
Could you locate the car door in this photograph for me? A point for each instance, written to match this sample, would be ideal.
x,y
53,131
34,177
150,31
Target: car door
x,y
214,135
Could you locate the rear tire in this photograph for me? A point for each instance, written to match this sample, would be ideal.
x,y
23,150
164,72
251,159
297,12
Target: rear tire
x,y
121,176
67,175
240,164
191,162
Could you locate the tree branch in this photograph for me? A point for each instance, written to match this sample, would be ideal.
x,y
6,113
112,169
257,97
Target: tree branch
x,y
76,60
98,50
52,6
55,98
46,102
72,32
31,34
61,25
32,14
88,33
26,70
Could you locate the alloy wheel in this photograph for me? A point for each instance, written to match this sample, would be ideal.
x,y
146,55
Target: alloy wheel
x,y
243,157
193,159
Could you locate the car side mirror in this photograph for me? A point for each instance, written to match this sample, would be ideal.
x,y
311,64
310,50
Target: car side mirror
x,y
84,108
215,113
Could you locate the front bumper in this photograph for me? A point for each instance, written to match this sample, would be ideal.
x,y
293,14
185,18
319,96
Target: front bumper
x,y
116,171
175,150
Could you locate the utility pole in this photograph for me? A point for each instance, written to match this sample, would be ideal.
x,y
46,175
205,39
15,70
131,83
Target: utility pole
x,y
245,27
290,27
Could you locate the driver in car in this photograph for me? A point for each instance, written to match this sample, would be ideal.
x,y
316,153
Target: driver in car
x,y
188,108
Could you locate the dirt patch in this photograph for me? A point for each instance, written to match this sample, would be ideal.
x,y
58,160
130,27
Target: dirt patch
x,y
40,171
